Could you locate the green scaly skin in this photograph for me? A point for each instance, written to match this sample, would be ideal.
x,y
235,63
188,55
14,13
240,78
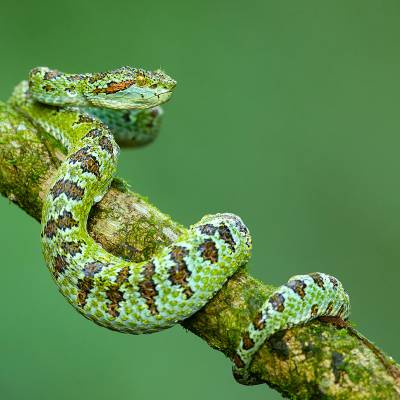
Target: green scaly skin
x,y
152,295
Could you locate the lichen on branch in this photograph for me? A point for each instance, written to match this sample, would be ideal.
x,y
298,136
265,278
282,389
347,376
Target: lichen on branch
x,y
321,360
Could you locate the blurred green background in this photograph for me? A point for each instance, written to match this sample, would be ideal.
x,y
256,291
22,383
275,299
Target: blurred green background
x,y
286,113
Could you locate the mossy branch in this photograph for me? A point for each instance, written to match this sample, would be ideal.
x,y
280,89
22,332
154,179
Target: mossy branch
x,y
322,360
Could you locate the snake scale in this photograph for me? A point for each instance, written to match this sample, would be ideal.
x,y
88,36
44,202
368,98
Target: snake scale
x,y
88,114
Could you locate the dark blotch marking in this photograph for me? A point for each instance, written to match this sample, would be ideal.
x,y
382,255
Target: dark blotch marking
x,y
50,228
94,133
279,346
209,251
115,294
238,224
226,235
298,287
242,229
92,268
52,74
72,248
64,221
106,145
208,229
329,308
71,189
337,365
317,278
83,119
123,276
178,253
85,285
277,302
314,310
87,161
259,321
60,264
334,282
248,342
179,273
148,289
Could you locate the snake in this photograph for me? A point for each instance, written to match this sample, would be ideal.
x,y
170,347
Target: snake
x,y
89,114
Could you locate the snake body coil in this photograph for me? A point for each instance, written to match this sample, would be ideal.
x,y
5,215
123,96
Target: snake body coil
x,y
180,279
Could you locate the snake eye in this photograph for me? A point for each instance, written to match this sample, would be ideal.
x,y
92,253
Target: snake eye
x,y
153,86
140,80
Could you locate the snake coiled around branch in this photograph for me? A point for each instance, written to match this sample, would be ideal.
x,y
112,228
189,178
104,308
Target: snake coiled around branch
x,y
88,113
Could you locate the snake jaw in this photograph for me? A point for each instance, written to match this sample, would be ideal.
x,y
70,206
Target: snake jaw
x,y
133,97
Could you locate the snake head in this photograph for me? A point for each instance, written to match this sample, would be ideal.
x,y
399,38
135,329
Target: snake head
x,y
123,88
129,88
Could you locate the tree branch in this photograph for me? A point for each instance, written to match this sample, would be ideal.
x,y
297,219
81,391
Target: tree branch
x,y
322,360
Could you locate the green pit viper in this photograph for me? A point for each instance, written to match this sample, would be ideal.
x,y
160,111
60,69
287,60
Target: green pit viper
x,y
87,113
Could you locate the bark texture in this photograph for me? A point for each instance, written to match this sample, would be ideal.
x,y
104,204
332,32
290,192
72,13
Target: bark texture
x,y
325,359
